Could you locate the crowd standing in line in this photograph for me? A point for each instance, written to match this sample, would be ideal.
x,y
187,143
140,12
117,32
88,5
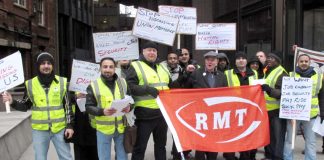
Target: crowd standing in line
x,y
56,117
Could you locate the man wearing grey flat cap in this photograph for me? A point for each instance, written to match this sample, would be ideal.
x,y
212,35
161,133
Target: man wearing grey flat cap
x,y
207,77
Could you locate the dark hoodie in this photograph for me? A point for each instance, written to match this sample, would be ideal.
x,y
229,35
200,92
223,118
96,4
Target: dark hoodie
x,y
260,70
223,56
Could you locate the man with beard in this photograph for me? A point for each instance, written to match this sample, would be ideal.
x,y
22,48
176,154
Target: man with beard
x,y
273,81
207,77
100,95
304,69
52,117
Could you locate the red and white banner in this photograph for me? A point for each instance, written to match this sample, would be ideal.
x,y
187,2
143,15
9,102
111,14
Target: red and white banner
x,y
316,57
216,119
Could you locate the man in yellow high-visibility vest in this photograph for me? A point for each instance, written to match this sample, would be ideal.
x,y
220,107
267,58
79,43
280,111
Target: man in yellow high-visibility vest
x,y
145,78
240,75
52,117
305,70
100,95
273,81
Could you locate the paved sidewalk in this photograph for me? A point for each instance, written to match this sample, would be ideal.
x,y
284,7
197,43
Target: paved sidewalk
x,y
29,154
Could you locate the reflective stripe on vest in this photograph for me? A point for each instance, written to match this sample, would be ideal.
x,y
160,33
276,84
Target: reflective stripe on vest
x,y
317,85
273,103
233,80
92,120
108,124
147,76
47,110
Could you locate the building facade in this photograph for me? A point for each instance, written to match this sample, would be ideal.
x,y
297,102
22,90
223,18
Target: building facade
x,y
75,19
261,24
27,26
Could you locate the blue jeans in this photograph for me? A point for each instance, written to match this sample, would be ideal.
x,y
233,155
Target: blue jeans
x,y
310,140
41,141
104,146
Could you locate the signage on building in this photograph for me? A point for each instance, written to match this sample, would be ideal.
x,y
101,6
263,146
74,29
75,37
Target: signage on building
x,y
153,26
296,96
118,45
82,75
216,36
11,71
187,17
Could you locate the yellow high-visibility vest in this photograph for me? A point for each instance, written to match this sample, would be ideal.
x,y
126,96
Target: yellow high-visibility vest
x,y
149,77
108,124
233,80
271,80
47,110
317,85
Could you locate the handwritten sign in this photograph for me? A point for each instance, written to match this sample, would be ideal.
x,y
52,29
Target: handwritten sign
x,y
156,27
82,75
296,96
187,17
11,71
221,36
117,45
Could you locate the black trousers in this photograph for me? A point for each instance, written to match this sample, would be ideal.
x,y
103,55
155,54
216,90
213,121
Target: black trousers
x,y
245,155
278,128
201,155
159,129
85,152
177,155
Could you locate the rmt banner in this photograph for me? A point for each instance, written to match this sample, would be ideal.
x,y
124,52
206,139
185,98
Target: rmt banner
x,y
216,119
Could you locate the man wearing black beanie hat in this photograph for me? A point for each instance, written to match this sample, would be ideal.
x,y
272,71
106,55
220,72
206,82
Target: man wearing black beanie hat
x,y
45,68
52,116
145,79
273,74
240,75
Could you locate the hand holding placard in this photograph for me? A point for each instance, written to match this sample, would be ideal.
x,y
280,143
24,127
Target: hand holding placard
x,y
7,99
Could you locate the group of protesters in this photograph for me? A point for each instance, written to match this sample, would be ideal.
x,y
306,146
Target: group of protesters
x,y
56,118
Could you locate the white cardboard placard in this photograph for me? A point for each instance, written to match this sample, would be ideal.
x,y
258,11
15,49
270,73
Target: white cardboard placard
x,y
118,45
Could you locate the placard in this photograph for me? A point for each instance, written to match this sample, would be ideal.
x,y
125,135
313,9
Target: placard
x,y
118,45
11,71
296,96
82,75
151,25
220,36
187,17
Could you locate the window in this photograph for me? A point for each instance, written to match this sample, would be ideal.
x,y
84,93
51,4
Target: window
x,y
314,29
40,12
20,2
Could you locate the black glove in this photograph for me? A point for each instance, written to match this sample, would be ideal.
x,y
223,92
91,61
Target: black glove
x,y
152,91
322,118
266,88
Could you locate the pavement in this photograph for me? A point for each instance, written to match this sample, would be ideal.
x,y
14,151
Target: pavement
x,y
28,155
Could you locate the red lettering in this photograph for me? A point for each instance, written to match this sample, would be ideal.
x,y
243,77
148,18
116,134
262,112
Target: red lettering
x,y
107,52
83,80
